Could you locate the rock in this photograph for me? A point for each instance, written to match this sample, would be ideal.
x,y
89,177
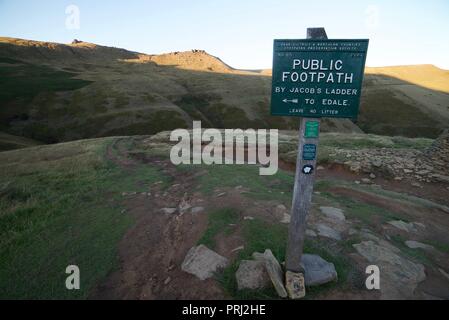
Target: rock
x,y
248,218
294,283
416,185
355,167
441,178
419,224
444,273
221,194
377,163
418,245
372,176
333,213
366,180
258,256
167,281
317,271
252,275
311,233
281,208
400,277
168,210
404,226
320,168
275,272
328,232
203,262
357,182
408,171
238,249
286,218
197,210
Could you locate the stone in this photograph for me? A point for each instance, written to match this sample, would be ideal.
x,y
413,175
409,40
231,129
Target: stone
x,y
197,210
328,232
372,176
294,283
275,272
418,245
311,233
184,205
419,224
444,273
400,276
252,275
258,256
377,163
366,180
333,213
317,271
286,218
416,185
167,281
238,249
203,262
248,218
404,226
168,210
221,194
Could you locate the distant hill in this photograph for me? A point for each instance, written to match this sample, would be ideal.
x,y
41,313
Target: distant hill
x,y
56,92
405,100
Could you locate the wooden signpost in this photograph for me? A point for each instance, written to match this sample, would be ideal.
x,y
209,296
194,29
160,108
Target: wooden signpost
x,y
312,78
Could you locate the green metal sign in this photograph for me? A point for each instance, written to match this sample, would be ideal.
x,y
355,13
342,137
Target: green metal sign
x,y
309,152
318,78
312,129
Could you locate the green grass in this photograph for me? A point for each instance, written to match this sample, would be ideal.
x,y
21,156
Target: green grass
x,y
371,141
366,213
59,206
443,247
417,255
381,112
219,222
275,187
26,81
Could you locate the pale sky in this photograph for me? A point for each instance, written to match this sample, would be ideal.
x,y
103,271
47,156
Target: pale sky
x,y
241,32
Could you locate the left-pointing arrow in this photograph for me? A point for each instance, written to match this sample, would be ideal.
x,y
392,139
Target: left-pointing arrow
x,y
291,101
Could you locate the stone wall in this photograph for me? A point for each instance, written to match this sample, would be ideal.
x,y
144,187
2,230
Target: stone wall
x,y
438,153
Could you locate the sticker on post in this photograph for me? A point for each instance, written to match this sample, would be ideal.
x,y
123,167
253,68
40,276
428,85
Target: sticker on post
x,y
312,129
307,169
309,152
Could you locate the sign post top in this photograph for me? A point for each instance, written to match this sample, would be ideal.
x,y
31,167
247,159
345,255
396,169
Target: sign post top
x,y
316,33
318,77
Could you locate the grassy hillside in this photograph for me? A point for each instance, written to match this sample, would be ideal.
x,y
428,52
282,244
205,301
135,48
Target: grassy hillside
x,y
10,142
54,92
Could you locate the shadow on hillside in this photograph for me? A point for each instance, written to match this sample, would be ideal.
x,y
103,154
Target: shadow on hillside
x,y
239,99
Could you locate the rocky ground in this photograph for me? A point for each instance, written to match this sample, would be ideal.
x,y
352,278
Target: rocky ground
x,y
381,207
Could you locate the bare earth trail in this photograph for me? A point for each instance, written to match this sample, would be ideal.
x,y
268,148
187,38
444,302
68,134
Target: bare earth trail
x,y
152,251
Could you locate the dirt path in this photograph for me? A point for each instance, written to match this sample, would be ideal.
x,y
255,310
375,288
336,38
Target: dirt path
x,y
152,251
